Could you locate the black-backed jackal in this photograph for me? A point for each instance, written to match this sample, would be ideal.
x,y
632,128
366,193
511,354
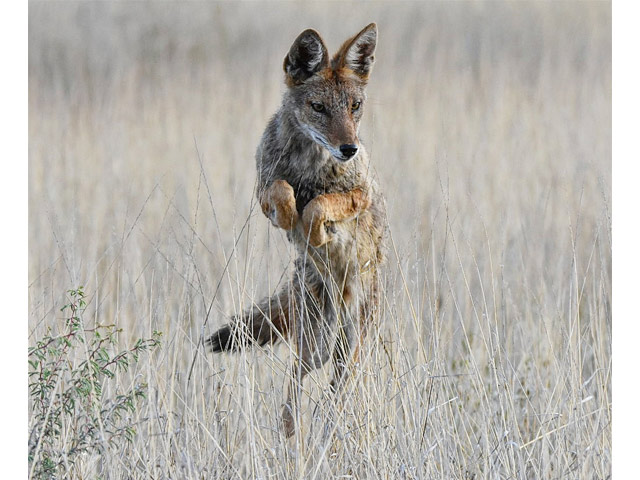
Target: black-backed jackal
x,y
315,182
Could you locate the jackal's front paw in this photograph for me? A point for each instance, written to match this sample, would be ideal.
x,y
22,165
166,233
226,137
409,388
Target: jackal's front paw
x,y
360,200
279,205
317,228
283,217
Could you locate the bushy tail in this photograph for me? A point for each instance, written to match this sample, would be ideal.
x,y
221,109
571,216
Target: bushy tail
x,y
266,322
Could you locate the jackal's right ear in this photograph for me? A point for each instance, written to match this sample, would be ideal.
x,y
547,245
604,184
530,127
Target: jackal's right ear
x,y
307,56
357,53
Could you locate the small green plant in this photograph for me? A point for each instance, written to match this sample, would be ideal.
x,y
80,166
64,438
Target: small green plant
x,y
71,411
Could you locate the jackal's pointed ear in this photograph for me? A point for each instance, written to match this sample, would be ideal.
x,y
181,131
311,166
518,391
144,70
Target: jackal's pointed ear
x,y
357,53
307,56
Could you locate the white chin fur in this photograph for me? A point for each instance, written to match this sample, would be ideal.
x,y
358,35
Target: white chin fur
x,y
320,140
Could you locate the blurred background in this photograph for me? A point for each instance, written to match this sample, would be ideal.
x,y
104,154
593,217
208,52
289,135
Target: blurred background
x,y
489,127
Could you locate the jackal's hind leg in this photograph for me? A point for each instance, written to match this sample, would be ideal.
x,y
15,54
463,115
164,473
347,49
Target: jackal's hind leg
x,y
352,332
345,354
313,339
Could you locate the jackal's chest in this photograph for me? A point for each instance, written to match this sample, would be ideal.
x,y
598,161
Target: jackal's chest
x,y
328,179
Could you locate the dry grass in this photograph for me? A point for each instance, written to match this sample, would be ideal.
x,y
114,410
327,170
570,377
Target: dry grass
x,y
490,129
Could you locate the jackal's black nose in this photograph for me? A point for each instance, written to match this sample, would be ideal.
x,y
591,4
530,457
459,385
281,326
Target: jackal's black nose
x,y
348,150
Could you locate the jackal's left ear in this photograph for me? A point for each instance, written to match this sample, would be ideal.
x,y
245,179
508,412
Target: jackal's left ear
x,y
306,56
357,53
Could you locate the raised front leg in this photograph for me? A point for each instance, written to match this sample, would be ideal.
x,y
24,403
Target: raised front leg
x,y
279,205
322,211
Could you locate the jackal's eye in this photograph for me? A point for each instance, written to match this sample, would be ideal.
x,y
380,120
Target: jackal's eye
x,y
318,107
355,106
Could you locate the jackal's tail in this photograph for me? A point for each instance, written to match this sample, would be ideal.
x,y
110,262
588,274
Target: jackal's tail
x,y
266,322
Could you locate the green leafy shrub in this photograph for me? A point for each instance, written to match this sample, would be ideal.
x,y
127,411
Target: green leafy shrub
x,y
70,413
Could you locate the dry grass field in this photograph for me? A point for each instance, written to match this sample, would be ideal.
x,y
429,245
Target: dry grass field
x,y
489,126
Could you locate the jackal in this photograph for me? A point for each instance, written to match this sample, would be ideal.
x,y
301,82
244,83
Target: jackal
x,y
314,181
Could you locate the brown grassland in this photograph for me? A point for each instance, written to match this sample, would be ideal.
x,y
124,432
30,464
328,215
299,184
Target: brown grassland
x,y
489,126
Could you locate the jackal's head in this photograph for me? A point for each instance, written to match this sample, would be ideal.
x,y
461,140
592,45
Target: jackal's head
x,y
327,96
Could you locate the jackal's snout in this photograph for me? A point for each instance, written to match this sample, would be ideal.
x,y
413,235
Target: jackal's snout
x,y
348,150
